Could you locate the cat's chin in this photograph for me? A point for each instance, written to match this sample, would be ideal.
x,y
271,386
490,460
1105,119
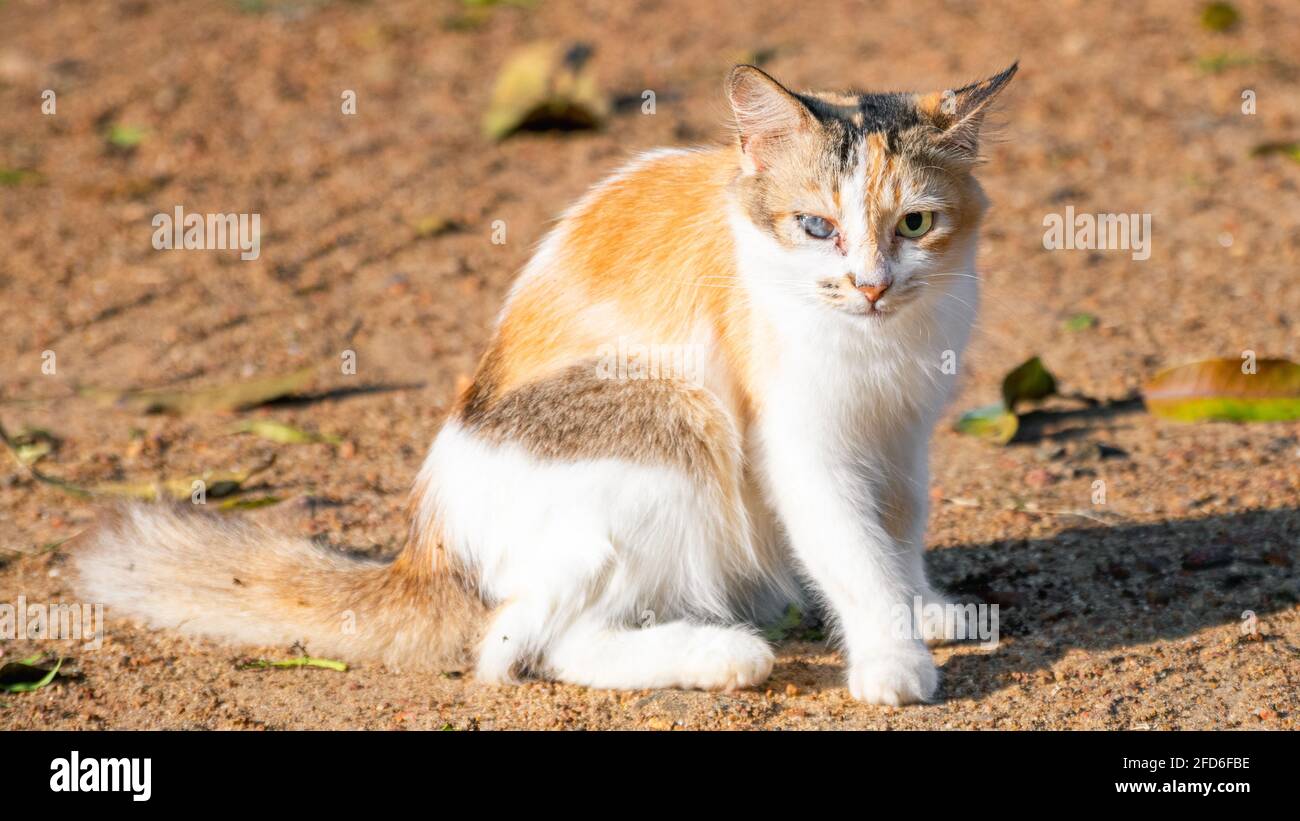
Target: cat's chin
x,y
875,316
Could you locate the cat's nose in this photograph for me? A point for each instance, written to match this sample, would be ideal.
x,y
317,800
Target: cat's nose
x,y
873,293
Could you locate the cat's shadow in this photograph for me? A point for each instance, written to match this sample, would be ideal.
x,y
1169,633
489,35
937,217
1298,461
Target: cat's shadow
x,y
1115,588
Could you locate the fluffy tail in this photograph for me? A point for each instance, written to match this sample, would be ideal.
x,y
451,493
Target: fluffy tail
x,y
206,574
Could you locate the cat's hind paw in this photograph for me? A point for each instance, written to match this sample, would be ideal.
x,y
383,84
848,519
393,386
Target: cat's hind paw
x,y
727,659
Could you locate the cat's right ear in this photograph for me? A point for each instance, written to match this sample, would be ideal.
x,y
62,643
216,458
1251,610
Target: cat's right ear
x,y
767,115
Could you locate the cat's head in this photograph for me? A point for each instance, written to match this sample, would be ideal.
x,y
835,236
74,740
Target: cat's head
x,y
865,203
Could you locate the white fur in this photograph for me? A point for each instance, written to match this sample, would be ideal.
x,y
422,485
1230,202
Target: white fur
x,y
599,548
614,574
847,441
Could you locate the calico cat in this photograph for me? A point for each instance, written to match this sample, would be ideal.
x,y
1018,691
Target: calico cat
x,y
624,527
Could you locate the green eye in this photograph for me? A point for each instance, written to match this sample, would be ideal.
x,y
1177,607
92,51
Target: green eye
x,y
916,224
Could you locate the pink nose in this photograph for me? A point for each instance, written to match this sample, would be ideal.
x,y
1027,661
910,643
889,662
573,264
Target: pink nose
x,y
873,293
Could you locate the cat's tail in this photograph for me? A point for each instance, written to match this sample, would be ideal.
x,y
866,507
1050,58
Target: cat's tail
x,y
206,574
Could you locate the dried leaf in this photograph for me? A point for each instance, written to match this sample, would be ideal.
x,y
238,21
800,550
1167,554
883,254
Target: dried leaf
x,y
282,433
434,225
17,176
249,504
237,396
545,85
215,484
300,661
1219,16
14,451
1289,149
1028,381
1219,389
33,444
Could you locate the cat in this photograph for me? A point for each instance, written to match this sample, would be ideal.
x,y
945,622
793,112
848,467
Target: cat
x,y
625,527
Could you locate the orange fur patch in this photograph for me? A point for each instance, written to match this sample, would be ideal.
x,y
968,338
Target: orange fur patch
x,y
602,285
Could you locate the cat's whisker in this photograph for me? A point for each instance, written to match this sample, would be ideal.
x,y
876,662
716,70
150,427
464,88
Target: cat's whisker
x,y
997,301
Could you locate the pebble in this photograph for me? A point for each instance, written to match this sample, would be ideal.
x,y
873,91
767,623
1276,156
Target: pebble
x,y
1039,478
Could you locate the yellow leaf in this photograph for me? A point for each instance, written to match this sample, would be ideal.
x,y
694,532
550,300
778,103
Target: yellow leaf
x,y
545,85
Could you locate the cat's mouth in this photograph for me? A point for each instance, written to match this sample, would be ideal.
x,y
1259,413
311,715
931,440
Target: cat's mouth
x,y
883,313
840,294
889,307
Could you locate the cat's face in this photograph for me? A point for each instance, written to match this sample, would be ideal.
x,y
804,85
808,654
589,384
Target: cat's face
x,y
868,199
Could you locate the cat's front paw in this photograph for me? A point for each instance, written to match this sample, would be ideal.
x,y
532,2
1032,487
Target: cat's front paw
x,y
894,677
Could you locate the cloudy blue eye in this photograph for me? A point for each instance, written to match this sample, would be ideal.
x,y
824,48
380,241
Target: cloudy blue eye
x,y
816,227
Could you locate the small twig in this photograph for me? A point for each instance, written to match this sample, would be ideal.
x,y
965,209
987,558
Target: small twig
x,y
1034,509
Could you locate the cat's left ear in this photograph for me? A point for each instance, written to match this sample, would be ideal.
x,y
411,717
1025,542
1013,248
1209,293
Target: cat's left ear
x,y
959,113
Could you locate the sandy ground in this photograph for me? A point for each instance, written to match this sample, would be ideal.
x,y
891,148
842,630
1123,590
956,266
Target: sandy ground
x,y
1122,615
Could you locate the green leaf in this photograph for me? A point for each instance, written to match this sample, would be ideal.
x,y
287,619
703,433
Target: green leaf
x,y
1289,150
125,136
17,176
1080,322
1219,16
1220,389
789,622
1028,381
25,677
1220,62
992,422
